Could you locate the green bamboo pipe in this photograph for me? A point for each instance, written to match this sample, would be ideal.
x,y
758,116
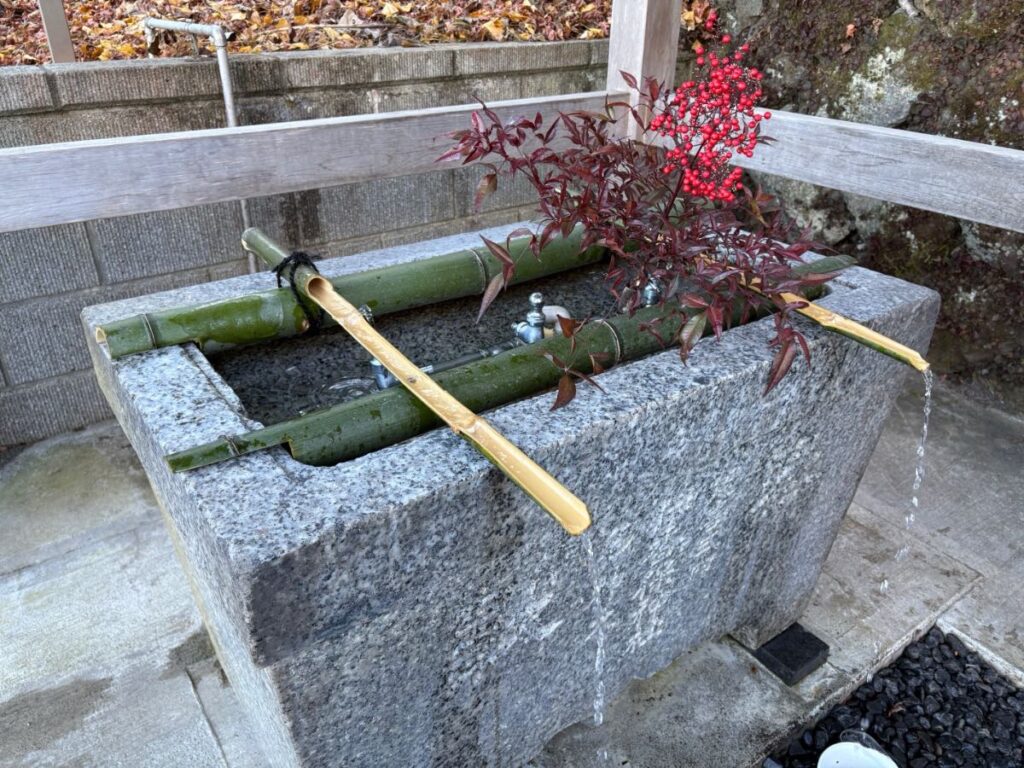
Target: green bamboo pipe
x,y
276,314
383,418
352,429
349,430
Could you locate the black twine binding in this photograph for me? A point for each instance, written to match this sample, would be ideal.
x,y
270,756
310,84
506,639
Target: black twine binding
x,y
295,260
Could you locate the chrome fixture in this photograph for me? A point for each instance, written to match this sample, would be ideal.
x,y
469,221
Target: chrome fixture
x,y
652,293
532,329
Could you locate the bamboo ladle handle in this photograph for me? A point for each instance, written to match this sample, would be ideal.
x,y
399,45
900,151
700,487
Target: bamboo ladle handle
x,y
533,479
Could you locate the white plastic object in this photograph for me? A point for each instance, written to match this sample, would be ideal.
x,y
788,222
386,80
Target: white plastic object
x,y
847,754
551,314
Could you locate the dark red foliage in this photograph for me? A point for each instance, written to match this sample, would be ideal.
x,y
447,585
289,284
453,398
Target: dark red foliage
x,y
672,210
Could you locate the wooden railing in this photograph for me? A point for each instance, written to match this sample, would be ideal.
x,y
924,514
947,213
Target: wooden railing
x,y
977,182
82,180
58,34
78,181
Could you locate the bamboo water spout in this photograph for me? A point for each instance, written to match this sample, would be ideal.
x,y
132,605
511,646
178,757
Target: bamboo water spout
x,y
845,326
534,480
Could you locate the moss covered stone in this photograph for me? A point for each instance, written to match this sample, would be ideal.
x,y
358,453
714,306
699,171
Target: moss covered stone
x,y
954,68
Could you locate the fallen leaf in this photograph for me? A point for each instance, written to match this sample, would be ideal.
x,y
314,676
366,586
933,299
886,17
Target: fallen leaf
x,y
496,29
350,19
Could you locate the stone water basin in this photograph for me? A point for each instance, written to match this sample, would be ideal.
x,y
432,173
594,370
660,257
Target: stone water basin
x,y
413,608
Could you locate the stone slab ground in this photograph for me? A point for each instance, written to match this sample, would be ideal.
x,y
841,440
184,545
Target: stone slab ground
x,y
104,661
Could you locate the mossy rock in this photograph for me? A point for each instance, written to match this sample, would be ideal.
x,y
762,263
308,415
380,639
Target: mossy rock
x,y
955,69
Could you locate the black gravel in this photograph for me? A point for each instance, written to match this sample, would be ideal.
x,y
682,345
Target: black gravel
x,y
938,704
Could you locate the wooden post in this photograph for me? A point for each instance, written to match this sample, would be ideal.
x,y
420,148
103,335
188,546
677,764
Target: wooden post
x,y
58,35
644,42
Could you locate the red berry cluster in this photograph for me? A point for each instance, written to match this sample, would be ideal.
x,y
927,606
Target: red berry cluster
x,y
709,119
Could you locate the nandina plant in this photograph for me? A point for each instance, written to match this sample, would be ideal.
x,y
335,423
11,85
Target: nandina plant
x,y
671,209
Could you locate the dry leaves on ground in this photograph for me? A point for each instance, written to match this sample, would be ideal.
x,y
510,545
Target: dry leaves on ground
x,y
112,29
108,29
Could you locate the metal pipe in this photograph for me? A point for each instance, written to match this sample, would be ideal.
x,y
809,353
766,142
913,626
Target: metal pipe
x,y
220,42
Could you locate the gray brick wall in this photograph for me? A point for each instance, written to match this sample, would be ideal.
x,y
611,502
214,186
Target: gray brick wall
x,y
47,275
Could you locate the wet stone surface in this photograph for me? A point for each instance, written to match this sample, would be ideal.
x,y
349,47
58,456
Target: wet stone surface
x,y
939,704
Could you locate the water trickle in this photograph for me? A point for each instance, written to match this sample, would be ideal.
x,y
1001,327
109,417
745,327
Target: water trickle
x,y
597,609
394,543
929,383
911,515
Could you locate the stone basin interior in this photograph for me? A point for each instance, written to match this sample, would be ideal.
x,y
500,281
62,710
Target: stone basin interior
x,y
282,379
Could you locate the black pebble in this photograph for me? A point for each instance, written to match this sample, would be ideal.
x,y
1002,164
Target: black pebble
x,y
939,705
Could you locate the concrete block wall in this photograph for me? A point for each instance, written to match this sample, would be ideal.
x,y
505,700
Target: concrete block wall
x,y
48,275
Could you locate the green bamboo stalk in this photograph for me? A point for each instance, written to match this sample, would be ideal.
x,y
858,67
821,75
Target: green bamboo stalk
x,y
352,429
383,418
276,314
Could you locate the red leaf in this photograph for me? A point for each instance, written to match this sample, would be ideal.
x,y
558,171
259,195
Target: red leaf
x,y
692,333
508,265
693,301
486,186
588,379
630,80
451,154
566,392
803,345
521,232
493,289
568,326
652,89
780,365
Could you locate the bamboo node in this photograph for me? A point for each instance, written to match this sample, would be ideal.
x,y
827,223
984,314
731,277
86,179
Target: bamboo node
x,y
151,336
229,441
485,279
615,339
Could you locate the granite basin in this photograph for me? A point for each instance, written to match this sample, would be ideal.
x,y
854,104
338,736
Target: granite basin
x,y
412,608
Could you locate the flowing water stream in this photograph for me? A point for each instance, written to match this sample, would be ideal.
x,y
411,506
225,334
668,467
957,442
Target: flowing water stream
x,y
929,383
911,514
597,609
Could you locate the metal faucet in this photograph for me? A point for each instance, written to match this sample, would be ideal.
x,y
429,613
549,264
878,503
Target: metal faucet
x,y
532,329
526,332
652,293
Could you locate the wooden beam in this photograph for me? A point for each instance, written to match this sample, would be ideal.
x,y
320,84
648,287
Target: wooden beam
x,y
977,182
79,181
58,35
644,43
